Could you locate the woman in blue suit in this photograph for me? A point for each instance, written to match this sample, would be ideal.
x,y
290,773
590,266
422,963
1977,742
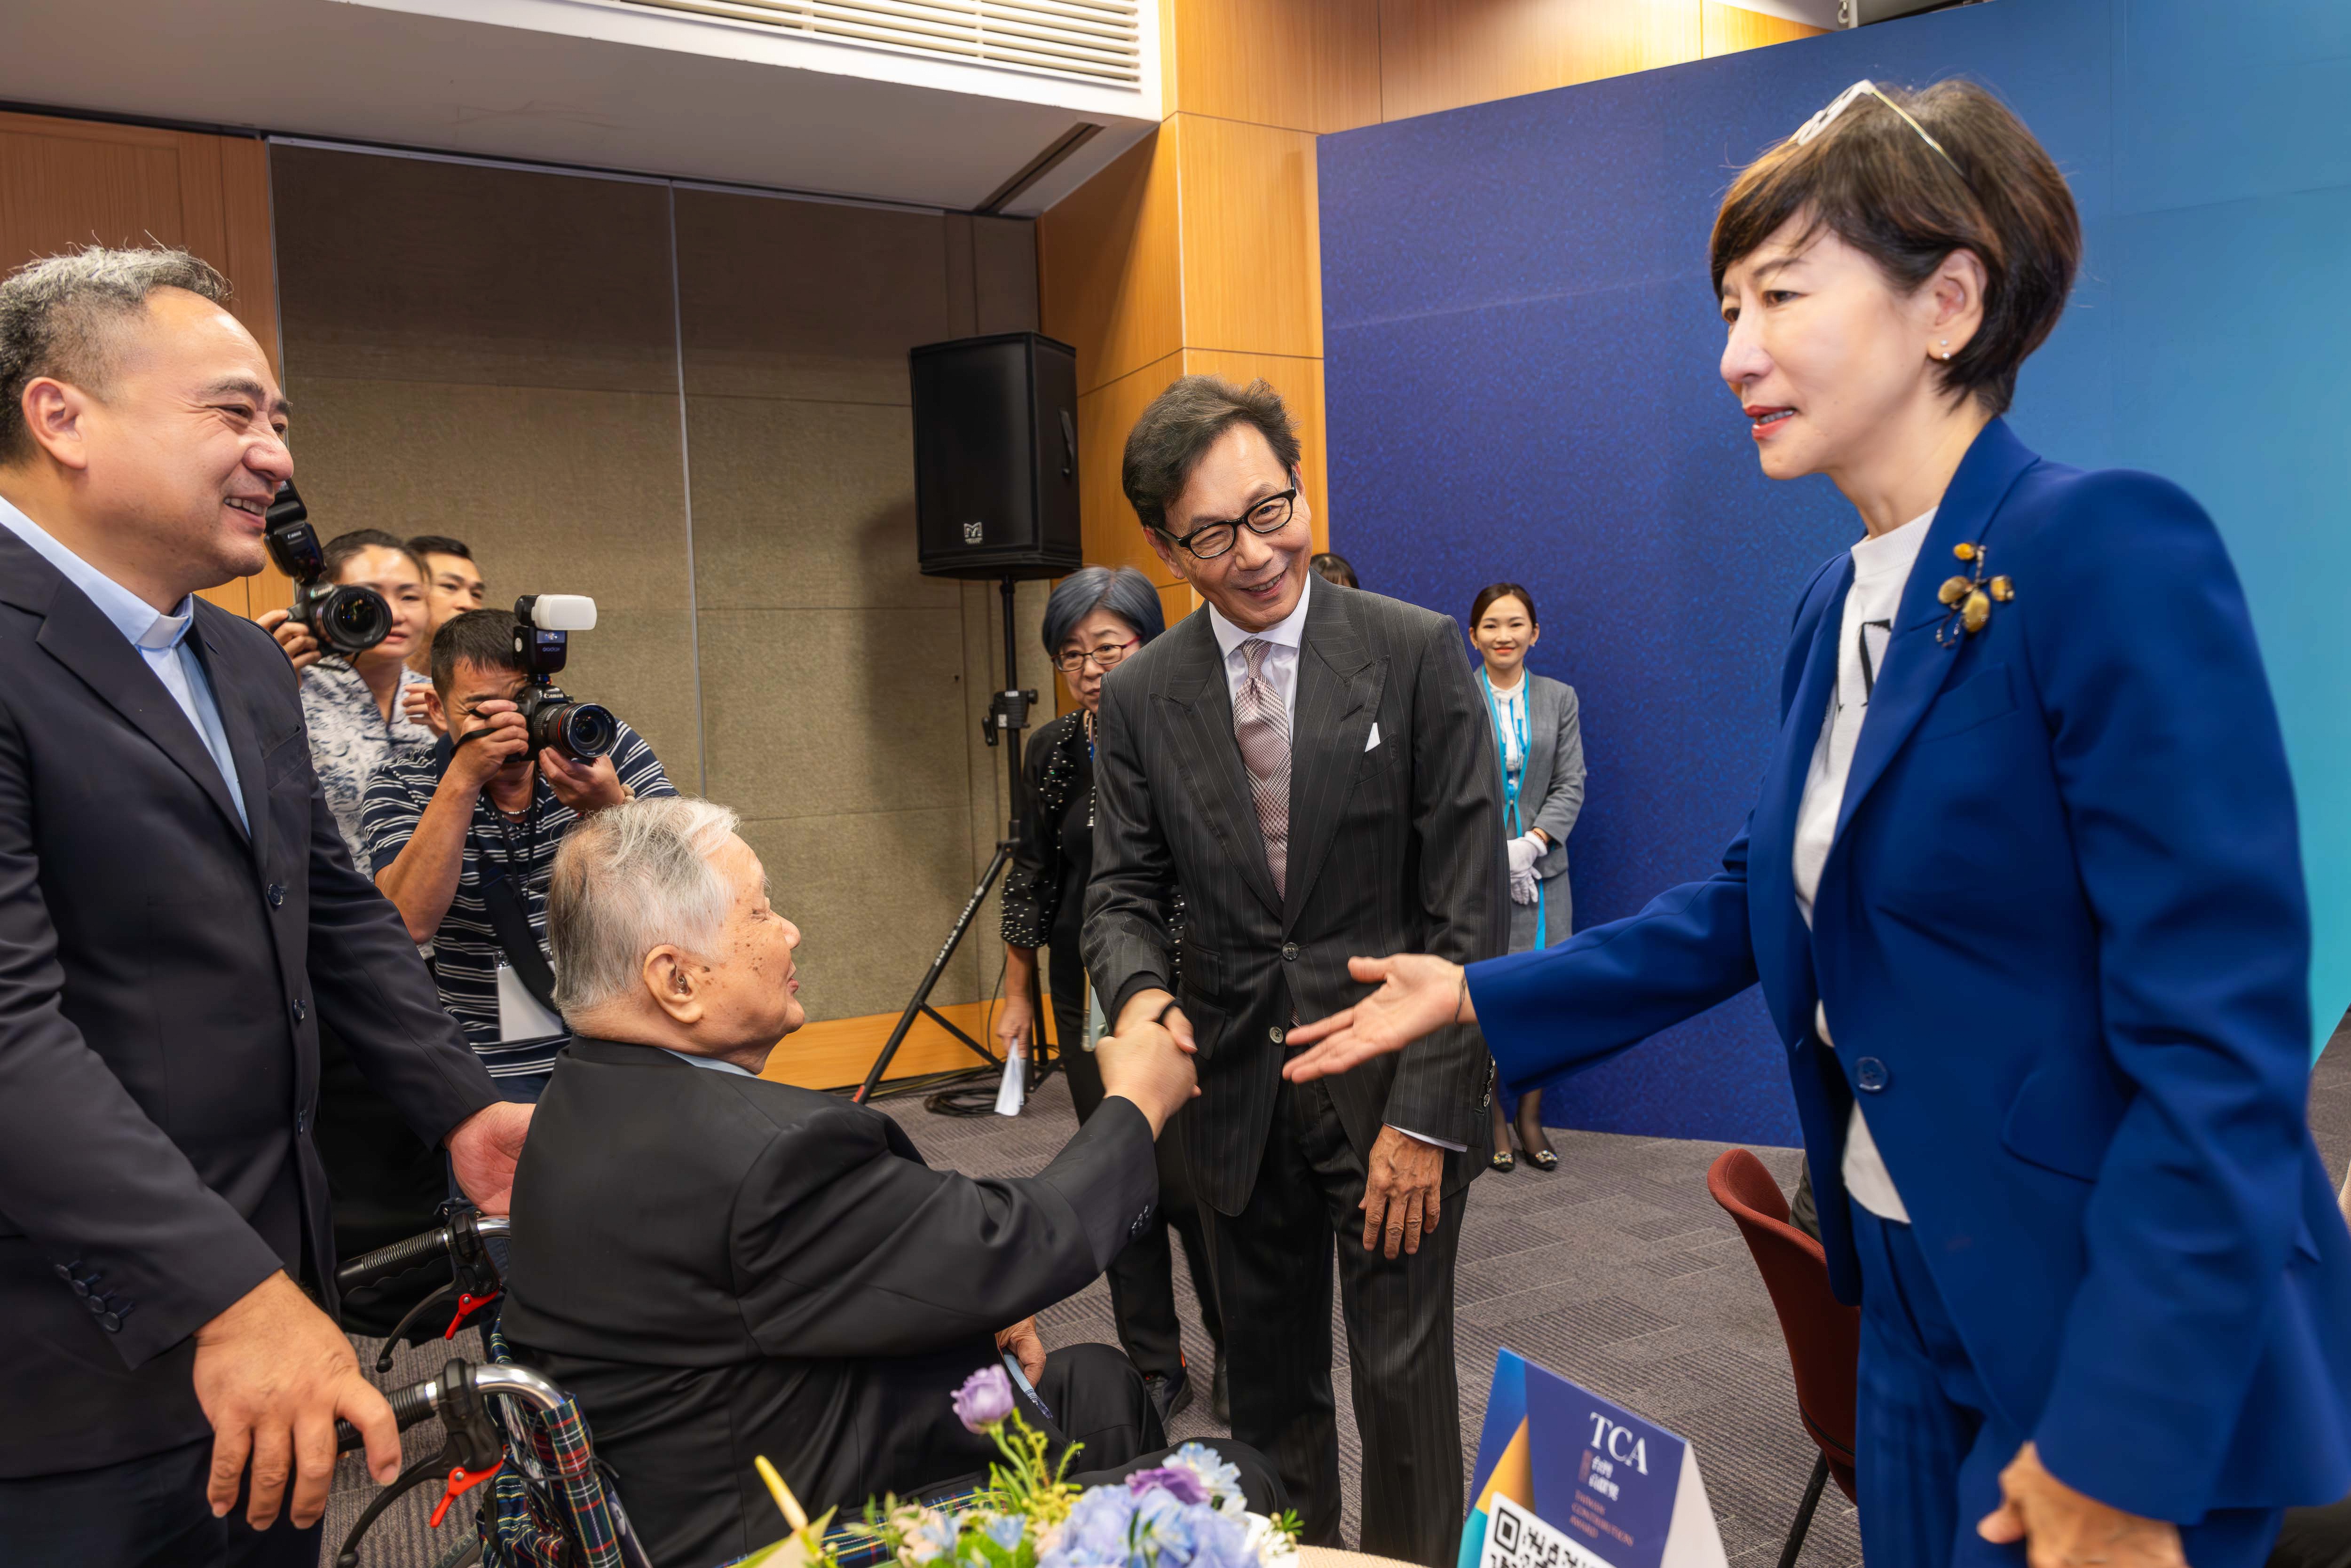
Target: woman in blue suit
x,y
2023,894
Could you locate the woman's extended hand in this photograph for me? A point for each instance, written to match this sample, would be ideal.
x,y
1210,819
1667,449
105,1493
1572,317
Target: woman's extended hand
x,y
1417,994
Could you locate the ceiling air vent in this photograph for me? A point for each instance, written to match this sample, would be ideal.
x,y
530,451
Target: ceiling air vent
x,y
1095,40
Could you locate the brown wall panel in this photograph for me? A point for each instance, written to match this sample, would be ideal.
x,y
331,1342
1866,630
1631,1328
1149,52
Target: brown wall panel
x,y
1304,64
1112,535
1107,268
1442,54
1727,29
67,182
1251,236
807,299
410,269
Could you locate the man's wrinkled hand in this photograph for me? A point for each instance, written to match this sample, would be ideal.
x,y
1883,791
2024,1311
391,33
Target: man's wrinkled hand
x,y
1417,995
483,1150
1400,1192
272,1374
1027,1349
1150,1064
2060,1528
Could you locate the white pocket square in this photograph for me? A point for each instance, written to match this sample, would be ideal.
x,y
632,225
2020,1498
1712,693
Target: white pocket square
x,y
1373,743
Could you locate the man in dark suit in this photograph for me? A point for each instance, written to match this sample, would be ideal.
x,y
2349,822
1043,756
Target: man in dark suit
x,y
718,1267
177,909
1313,767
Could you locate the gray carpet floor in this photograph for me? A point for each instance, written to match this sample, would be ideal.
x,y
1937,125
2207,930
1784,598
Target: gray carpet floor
x,y
1618,1271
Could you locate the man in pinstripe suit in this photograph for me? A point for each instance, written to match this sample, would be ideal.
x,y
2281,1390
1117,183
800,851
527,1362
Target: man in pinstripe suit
x,y
1313,767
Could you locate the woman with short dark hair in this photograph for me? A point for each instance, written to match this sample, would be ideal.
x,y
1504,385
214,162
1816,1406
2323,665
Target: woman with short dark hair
x,y
1095,620
2023,893
1541,741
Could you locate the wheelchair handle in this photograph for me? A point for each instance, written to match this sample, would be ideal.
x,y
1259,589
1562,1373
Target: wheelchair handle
x,y
386,1262
422,1401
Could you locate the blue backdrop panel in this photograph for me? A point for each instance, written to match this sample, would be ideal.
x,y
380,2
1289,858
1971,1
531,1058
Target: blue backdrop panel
x,y
1521,374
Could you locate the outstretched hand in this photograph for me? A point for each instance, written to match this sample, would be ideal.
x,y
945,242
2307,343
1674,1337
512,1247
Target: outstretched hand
x,y
1418,994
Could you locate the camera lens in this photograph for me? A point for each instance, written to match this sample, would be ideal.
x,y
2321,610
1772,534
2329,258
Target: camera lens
x,y
583,730
352,619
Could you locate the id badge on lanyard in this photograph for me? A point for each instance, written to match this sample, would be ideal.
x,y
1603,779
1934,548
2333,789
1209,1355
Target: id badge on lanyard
x,y
520,1016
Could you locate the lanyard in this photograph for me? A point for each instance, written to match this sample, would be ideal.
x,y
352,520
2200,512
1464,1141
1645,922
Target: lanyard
x,y
1512,782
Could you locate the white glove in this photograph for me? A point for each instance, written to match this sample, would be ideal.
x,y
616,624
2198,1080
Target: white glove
x,y
1524,852
1522,884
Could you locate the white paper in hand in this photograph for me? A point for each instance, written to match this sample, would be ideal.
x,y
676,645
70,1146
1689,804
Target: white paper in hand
x,y
1014,1089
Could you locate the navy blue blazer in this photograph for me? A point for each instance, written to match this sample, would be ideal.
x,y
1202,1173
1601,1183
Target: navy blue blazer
x,y
2063,946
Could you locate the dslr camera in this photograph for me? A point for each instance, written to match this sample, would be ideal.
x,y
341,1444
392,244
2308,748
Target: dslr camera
x,y
543,625
345,620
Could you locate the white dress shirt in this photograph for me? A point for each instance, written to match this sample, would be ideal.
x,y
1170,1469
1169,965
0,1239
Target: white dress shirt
x,y
161,641
1880,568
709,1064
1288,635
1280,667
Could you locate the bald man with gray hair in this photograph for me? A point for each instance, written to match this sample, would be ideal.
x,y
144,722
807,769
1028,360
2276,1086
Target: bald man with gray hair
x,y
717,1265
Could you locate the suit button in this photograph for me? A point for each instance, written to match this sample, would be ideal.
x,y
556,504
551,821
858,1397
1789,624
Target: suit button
x,y
86,1286
1274,1034
1290,952
302,1121
301,1009
1870,1076
276,895
111,1322
66,1270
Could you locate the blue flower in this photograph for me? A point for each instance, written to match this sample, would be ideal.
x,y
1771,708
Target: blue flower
x,y
1177,1535
1006,1529
1221,1477
1099,1533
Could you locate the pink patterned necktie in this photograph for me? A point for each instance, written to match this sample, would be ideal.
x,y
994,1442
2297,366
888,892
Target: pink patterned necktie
x,y
1262,725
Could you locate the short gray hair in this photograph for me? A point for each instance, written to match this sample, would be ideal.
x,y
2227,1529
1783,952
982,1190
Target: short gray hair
x,y
55,315
626,880
1123,590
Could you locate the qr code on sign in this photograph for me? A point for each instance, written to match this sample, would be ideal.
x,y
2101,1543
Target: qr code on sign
x,y
1516,1539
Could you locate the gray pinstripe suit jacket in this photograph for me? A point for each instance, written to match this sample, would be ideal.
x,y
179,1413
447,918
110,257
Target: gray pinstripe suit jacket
x,y
1397,848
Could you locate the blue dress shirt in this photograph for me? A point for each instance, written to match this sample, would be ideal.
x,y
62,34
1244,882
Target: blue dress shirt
x,y
161,641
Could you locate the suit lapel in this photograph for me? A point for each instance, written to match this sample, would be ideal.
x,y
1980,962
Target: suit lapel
x,y
1783,950
237,724
78,635
1542,733
1202,721
1338,698
1916,663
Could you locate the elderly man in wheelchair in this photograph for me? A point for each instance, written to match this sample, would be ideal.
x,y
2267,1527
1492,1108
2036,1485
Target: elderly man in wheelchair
x,y
715,1266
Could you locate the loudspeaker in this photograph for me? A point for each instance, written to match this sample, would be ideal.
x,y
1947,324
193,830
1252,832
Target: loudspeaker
x,y
996,456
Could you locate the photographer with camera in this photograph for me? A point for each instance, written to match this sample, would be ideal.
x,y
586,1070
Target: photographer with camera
x,y
363,595
461,835
453,585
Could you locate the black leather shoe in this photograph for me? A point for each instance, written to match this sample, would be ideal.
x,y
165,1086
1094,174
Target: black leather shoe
x,y
1172,1396
1220,1402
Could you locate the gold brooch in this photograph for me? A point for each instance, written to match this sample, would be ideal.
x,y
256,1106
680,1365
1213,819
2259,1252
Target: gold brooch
x,y
1969,598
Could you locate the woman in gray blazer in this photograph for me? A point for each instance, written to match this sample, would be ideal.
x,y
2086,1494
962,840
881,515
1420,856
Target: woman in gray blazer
x,y
1541,747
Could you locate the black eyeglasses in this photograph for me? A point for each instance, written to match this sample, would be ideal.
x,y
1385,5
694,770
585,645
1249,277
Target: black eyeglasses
x,y
1211,540
1070,660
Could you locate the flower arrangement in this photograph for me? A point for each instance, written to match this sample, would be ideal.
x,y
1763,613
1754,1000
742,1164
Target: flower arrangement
x,y
1188,1513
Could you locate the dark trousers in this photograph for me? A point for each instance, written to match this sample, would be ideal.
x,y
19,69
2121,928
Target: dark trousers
x,y
1273,1274
1098,1401
1142,1277
386,1183
148,1512
1929,1446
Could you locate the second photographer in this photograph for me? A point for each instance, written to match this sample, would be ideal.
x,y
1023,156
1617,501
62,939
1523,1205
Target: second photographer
x,y
461,835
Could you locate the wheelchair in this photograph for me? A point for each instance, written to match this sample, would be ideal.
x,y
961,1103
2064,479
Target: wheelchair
x,y
546,1500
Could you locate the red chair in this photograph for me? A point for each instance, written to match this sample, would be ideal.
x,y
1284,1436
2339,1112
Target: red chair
x,y
1822,1334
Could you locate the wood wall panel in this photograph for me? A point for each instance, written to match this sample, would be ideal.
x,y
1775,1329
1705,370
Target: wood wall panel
x,y
1251,237
1107,525
68,182
1727,29
1107,269
1442,54
1300,383
1303,65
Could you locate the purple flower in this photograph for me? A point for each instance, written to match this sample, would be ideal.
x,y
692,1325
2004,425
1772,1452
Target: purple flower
x,y
1179,1481
984,1400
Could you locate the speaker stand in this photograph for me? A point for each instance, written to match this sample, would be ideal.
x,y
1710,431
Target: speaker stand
x,y
1008,716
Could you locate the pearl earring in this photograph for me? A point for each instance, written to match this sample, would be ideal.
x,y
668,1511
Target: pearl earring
x,y
1947,349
